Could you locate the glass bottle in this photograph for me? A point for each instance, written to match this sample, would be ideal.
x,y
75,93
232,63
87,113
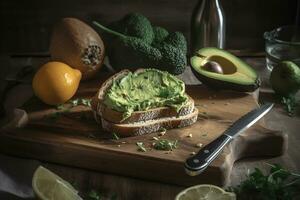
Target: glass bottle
x,y
207,25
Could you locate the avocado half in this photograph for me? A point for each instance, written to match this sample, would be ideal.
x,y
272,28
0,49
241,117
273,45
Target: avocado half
x,y
237,75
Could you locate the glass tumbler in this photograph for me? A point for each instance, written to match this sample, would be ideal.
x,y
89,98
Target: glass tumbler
x,y
281,44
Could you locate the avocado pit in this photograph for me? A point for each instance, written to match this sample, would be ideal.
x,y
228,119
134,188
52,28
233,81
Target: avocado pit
x,y
213,67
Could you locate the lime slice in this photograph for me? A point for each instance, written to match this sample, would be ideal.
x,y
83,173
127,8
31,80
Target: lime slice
x,y
49,186
205,192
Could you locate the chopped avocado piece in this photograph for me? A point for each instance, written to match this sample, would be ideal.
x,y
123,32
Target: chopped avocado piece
x,y
145,90
236,74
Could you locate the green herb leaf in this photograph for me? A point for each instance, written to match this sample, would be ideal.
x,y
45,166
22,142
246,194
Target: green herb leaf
x,y
115,136
165,145
141,147
74,102
278,184
80,101
60,107
94,195
86,102
290,103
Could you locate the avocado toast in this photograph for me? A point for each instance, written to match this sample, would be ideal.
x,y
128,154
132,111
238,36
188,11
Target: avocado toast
x,y
142,102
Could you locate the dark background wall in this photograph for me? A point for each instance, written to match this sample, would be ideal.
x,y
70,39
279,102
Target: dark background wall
x,y
26,24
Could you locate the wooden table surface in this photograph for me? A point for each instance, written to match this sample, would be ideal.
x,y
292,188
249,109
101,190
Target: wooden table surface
x,y
130,188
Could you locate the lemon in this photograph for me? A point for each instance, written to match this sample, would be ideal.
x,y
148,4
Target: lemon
x,y
205,192
48,186
55,83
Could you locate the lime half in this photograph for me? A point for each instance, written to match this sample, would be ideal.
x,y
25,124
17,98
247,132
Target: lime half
x,y
205,192
48,186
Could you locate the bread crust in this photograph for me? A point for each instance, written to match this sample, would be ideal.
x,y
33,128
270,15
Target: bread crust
x,y
150,126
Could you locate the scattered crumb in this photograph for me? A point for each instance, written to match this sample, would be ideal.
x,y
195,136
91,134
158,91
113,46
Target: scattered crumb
x,y
204,134
204,106
210,97
190,135
119,145
161,133
193,153
206,151
199,145
155,138
123,142
212,102
226,104
168,152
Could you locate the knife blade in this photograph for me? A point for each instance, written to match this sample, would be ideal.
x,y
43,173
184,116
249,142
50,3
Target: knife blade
x,y
200,161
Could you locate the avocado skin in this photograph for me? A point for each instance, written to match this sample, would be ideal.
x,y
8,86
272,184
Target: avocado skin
x,y
219,84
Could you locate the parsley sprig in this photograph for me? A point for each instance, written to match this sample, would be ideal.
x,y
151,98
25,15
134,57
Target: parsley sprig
x,y
278,184
290,103
80,101
165,145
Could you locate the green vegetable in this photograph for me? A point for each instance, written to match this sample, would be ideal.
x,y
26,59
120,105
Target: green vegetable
x,y
174,59
141,147
115,136
165,145
136,45
94,195
290,103
80,101
279,184
177,40
285,78
160,34
135,25
60,107
86,102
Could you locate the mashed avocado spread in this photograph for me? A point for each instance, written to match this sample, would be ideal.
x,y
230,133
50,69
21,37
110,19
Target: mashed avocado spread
x,y
142,91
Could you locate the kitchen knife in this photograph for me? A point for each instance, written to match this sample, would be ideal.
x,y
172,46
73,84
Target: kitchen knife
x,y
200,161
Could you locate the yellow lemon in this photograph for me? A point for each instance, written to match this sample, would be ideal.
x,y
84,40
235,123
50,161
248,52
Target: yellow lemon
x,y
55,83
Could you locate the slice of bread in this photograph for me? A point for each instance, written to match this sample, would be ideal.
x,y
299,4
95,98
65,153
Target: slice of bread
x,y
140,122
117,117
150,126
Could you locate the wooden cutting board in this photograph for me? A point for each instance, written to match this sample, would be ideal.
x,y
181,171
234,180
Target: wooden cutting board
x,y
73,138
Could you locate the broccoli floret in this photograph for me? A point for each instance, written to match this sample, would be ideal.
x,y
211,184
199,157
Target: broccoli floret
x,y
131,48
177,40
133,53
174,60
160,34
135,25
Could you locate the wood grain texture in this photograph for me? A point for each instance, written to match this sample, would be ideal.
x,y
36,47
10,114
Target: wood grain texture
x,y
73,141
131,188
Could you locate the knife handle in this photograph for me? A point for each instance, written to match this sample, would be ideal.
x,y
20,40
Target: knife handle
x,y
197,163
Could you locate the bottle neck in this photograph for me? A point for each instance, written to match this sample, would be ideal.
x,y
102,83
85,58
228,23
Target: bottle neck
x,y
206,4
